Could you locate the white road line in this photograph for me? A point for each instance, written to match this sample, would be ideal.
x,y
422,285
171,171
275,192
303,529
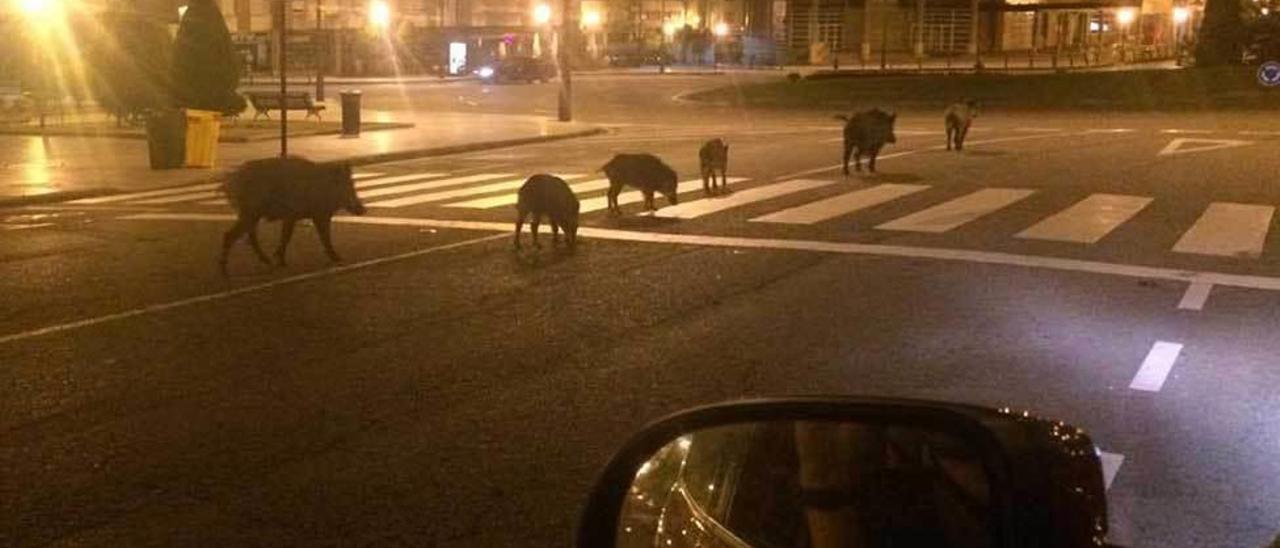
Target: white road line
x,y
951,214
428,185
1228,230
1261,133
382,181
1038,129
634,196
1110,130
1195,297
1088,220
1190,146
1155,368
148,194
1263,283
25,227
1110,466
366,175
1186,131
706,206
191,197
844,204
510,199
458,193
152,309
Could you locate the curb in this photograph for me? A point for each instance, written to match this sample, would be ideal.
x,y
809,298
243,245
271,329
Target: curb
x,y
55,197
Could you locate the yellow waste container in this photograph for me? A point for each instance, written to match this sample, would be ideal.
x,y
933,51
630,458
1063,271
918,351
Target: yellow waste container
x,y
202,137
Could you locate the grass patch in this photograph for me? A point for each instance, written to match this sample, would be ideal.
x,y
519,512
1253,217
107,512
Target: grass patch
x,y
1188,89
242,131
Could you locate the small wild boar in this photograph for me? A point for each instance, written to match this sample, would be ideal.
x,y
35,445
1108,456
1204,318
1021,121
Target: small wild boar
x,y
642,171
713,157
287,189
959,116
550,196
866,133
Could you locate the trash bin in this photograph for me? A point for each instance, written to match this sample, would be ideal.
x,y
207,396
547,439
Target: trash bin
x,y
166,139
350,113
202,137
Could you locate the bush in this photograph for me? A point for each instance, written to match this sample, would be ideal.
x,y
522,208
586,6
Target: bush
x,y
206,69
1222,35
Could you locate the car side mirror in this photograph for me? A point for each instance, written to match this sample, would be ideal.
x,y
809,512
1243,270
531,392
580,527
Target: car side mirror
x,y
849,472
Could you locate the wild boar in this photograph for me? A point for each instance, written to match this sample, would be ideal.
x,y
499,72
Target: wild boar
x,y
287,189
642,171
959,116
713,157
550,196
866,133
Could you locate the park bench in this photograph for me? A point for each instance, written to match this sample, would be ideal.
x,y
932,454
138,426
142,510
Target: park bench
x,y
263,102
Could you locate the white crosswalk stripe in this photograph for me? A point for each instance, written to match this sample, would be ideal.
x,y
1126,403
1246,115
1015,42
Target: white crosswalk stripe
x,y
443,195
143,195
369,182
430,185
706,206
844,204
1228,230
957,212
1089,220
602,202
511,199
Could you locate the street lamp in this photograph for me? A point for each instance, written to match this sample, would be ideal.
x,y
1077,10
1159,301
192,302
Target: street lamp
x,y
1125,17
720,30
542,14
379,14
32,8
1181,15
591,19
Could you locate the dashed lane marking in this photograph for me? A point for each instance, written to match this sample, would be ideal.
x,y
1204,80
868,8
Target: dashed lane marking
x,y
1155,368
1110,466
1196,295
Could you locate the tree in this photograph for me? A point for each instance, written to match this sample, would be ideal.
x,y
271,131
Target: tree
x,y
206,69
127,60
1222,34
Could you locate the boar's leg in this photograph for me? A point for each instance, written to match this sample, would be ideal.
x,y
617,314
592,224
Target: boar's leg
x,y
708,180
848,149
257,247
243,225
614,189
648,199
533,227
521,214
871,163
555,232
322,229
286,232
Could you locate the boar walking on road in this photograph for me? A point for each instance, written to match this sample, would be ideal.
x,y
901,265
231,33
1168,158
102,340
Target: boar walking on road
x,y
643,171
287,189
550,196
714,157
959,116
866,133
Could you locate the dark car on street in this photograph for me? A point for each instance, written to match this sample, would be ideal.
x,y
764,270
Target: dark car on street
x,y
518,69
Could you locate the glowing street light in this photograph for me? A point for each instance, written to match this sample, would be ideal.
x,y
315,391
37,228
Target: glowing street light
x,y
182,12
379,14
669,28
721,29
591,19
1181,15
1125,16
542,14
35,7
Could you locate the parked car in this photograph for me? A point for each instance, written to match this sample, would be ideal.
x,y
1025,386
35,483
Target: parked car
x,y
518,69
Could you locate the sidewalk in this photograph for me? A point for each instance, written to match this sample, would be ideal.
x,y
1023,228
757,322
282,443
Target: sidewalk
x,y
49,169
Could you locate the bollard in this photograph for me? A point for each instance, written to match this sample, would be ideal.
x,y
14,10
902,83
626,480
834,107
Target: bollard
x,y
350,113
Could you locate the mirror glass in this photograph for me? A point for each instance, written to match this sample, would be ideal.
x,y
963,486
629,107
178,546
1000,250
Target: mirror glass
x,y
810,484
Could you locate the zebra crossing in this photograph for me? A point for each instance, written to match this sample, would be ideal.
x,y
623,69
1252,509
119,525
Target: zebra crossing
x,y
1222,229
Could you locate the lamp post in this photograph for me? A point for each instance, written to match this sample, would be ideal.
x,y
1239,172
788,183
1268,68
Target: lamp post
x,y
322,51
1181,14
568,29
1124,17
720,30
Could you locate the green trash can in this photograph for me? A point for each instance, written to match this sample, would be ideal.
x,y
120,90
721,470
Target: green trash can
x,y
167,139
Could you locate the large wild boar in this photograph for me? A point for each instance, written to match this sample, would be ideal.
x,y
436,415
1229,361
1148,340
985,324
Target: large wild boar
x,y
287,189
866,133
713,157
550,196
642,171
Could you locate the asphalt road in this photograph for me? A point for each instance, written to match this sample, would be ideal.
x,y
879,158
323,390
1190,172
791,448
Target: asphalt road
x,y
439,389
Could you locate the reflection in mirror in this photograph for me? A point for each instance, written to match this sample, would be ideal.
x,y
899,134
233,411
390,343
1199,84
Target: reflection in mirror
x,y
810,484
